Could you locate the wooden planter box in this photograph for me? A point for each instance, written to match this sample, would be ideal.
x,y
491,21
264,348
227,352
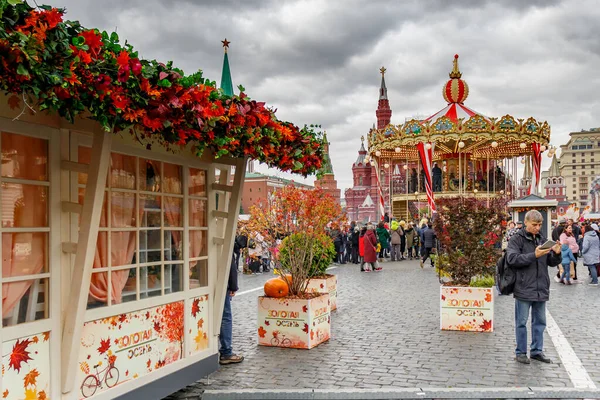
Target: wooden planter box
x,y
466,309
295,323
325,285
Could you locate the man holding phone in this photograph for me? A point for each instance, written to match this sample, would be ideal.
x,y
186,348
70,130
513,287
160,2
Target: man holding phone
x,y
531,260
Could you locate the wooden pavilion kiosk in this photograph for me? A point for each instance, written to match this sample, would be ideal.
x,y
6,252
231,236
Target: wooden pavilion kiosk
x,y
116,246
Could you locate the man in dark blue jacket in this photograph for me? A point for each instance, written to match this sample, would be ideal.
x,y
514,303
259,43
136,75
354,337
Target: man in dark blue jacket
x,y
226,355
532,286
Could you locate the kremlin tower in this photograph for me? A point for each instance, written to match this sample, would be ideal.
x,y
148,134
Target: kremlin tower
x,y
326,180
363,197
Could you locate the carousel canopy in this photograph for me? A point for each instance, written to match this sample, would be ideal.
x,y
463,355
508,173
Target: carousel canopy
x,y
458,129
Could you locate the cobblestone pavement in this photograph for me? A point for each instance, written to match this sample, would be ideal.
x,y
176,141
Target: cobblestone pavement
x,y
385,334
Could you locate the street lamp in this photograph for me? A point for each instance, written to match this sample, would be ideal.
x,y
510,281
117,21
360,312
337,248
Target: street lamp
x,y
418,205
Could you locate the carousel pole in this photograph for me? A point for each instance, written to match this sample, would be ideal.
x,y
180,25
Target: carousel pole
x,y
487,165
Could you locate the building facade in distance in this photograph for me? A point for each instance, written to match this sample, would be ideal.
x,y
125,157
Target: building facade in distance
x,y
579,164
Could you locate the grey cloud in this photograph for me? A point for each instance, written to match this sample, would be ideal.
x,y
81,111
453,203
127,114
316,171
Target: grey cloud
x,y
318,61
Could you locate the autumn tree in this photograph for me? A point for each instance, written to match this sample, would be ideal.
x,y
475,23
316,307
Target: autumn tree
x,y
303,214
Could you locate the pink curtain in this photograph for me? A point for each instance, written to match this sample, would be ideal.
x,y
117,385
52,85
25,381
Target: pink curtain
x,y
23,206
173,205
122,243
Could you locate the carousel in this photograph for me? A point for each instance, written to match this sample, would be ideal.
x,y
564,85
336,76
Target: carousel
x,y
457,152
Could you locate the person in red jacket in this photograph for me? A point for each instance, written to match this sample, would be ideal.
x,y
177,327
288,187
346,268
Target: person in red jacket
x,y
370,248
361,248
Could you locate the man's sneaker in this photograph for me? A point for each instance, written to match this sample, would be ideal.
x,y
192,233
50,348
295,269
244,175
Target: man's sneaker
x,y
378,269
523,359
421,263
593,284
541,357
232,359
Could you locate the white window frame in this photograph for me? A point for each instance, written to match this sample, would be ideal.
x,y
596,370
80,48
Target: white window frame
x,y
82,139
52,323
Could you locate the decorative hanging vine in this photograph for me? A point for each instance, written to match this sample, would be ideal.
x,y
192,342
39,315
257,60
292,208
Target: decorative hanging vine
x,y
61,66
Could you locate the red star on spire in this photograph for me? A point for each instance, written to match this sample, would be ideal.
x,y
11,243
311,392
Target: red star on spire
x,y
225,43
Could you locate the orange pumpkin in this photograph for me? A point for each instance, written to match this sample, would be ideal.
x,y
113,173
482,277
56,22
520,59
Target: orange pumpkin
x,y
276,287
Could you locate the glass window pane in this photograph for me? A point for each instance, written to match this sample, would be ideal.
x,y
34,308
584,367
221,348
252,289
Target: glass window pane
x,y
150,247
98,290
172,178
122,248
122,171
84,156
150,214
197,183
198,274
150,281
173,207
150,175
24,206
173,247
173,278
198,213
101,257
122,211
25,301
198,243
24,157
103,220
129,289
24,253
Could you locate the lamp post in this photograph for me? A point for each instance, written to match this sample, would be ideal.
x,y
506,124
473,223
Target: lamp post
x,y
418,205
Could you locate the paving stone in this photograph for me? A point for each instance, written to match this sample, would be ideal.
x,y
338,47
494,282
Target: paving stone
x,y
386,330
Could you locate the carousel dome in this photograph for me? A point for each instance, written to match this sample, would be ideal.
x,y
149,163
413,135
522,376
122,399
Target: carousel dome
x,y
455,90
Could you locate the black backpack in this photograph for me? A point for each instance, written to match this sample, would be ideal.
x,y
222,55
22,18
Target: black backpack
x,y
506,276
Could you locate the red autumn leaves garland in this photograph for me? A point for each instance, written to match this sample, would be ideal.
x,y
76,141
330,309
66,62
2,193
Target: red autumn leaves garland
x,y
64,67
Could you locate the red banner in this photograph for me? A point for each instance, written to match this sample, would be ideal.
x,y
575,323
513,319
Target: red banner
x,y
426,157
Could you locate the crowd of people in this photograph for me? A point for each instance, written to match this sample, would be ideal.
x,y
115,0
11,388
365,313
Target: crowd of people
x,y
391,239
579,241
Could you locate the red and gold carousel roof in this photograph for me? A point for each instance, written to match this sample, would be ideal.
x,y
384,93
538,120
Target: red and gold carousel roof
x,y
457,128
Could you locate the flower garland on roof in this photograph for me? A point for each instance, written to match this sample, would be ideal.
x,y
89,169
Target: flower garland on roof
x,y
70,70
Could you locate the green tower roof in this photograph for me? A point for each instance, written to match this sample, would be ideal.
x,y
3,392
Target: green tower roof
x,y
226,84
326,167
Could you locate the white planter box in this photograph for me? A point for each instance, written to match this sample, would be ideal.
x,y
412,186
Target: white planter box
x,y
295,323
466,309
325,285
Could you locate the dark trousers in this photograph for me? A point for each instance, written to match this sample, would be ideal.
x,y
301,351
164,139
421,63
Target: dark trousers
x,y
355,254
426,254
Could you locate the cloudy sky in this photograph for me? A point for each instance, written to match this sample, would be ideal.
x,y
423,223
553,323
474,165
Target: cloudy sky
x,y
318,61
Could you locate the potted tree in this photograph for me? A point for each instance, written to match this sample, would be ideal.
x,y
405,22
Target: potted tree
x,y
291,315
469,233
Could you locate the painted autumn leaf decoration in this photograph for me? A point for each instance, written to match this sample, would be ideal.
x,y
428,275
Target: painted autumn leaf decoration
x,y
148,363
46,336
304,308
267,323
262,332
19,354
31,394
5,394
486,325
35,339
42,395
195,307
443,298
200,322
31,378
488,297
104,345
305,329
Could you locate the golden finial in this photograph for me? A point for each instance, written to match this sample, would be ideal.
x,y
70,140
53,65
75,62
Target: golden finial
x,y
382,70
225,44
455,74
362,139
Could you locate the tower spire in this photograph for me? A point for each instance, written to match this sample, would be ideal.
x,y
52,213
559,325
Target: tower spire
x,y
554,171
226,83
383,88
383,113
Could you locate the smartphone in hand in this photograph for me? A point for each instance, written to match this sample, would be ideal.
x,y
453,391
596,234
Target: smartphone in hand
x,y
548,245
